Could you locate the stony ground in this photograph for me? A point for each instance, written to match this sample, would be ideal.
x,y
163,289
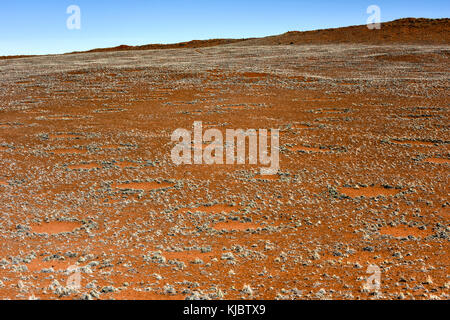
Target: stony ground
x,y
87,182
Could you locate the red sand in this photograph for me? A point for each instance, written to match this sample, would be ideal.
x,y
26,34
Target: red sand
x,y
55,227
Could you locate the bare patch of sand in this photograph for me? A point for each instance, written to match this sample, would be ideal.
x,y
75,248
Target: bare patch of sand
x,y
37,265
235,225
56,227
437,160
188,256
68,151
404,231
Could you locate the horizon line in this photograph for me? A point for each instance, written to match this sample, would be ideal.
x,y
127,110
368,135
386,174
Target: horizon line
x,y
93,50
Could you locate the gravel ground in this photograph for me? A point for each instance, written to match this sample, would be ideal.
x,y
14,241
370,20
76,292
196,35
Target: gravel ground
x,y
92,206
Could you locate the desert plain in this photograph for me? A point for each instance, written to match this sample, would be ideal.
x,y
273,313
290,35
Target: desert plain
x,y
88,190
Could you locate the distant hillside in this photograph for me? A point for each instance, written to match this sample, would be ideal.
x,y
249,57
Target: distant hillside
x,y
189,44
406,31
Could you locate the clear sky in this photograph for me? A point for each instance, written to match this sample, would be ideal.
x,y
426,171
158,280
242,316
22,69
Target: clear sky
x,y
39,27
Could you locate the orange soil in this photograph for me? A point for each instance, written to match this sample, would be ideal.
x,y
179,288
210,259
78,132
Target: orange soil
x,y
55,227
68,150
232,225
404,231
267,177
437,160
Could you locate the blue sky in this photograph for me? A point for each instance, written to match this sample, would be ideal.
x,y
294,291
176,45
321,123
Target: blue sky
x,y
39,27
